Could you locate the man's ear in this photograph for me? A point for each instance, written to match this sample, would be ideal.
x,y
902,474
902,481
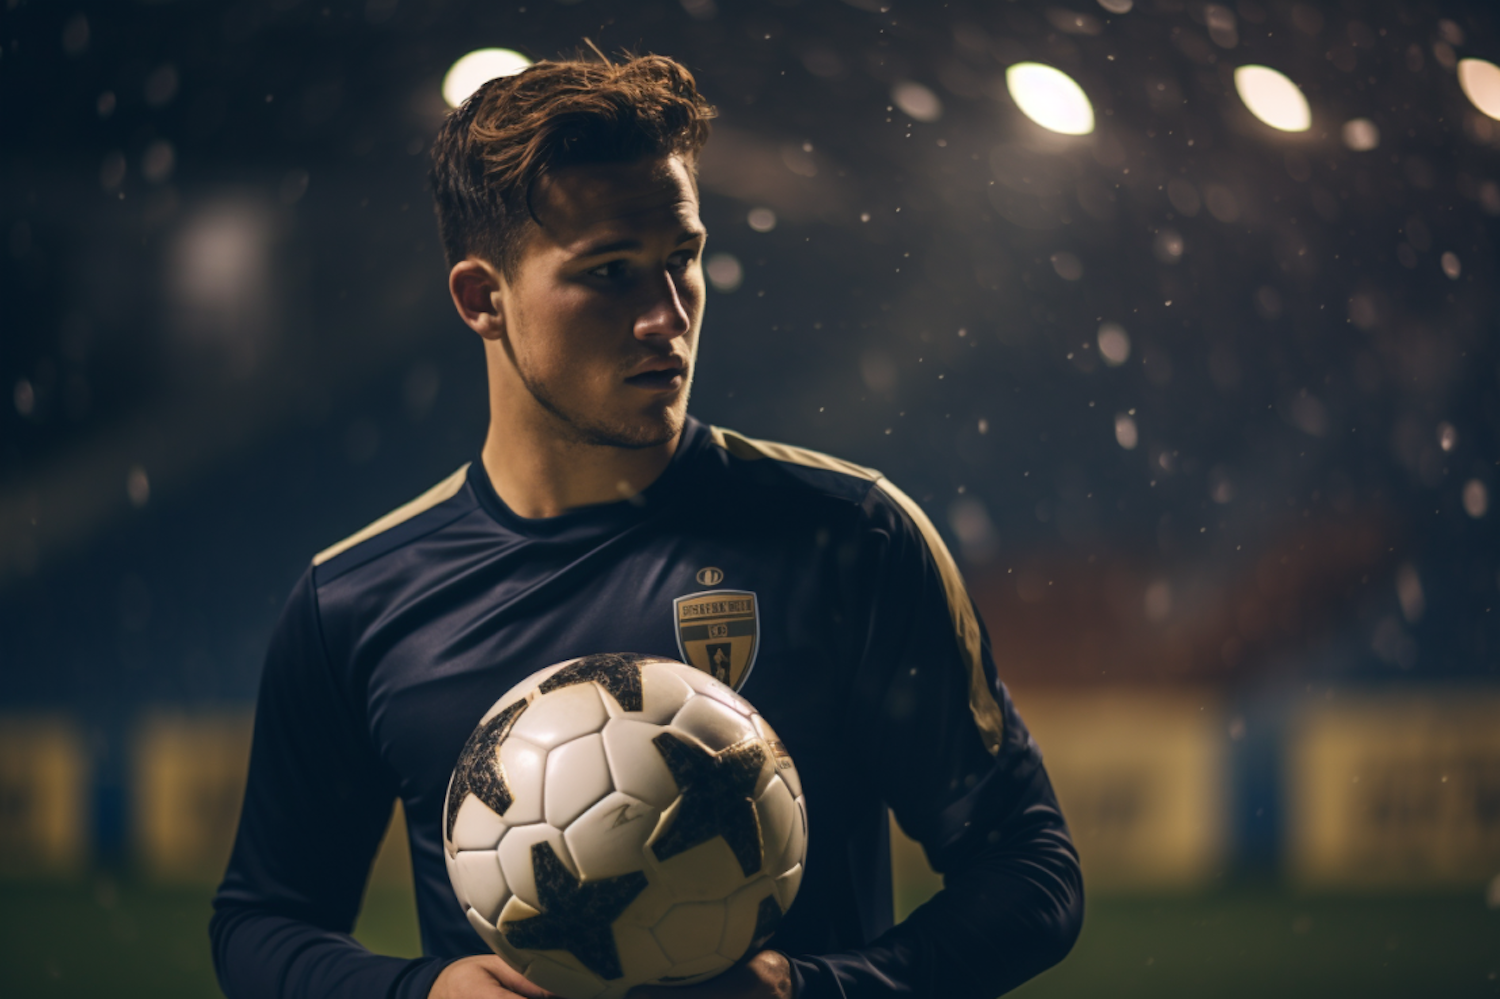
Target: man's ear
x,y
475,286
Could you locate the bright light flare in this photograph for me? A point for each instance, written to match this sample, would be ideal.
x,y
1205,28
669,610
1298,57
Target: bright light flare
x,y
1050,97
478,68
1361,135
1273,98
1481,83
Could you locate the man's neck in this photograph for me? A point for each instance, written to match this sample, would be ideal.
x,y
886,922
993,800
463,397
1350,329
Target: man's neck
x,y
542,475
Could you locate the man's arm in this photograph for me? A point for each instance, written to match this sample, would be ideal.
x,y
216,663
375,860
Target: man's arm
x,y
954,761
316,806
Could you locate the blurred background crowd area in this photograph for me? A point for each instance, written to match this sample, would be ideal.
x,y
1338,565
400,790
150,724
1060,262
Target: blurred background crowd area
x,y
1193,362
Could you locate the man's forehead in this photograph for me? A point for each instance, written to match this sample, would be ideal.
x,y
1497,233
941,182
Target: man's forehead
x,y
582,204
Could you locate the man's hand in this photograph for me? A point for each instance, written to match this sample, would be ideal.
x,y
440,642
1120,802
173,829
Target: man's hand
x,y
484,976
767,975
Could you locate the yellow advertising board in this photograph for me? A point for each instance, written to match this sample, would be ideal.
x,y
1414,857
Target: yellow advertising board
x,y
1142,779
44,789
189,782
1399,789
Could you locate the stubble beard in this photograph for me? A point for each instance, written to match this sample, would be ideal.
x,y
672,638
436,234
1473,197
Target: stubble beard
x,y
580,429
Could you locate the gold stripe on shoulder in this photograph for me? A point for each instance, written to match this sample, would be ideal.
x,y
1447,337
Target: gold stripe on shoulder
x,y
750,450
982,704
446,489
986,711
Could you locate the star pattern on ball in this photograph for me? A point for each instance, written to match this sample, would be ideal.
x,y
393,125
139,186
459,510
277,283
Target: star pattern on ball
x,y
767,919
576,916
479,771
617,672
716,798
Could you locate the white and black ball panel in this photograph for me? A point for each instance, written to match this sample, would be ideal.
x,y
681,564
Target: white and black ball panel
x,y
784,765
523,689
606,841
640,953
485,891
704,872
726,695
562,716
553,972
458,886
777,811
665,692
524,765
477,827
713,723
690,932
515,858
787,885
577,777
796,847
744,918
703,683
635,764
484,928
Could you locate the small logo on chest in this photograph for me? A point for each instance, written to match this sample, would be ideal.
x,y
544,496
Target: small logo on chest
x,y
718,631
710,575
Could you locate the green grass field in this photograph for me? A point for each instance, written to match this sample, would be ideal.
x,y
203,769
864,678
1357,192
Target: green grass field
x,y
126,940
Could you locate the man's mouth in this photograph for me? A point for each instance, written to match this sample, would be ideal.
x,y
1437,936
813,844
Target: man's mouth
x,y
659,380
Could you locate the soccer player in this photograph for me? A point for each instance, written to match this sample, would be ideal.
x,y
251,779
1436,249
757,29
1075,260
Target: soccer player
x,y
595,513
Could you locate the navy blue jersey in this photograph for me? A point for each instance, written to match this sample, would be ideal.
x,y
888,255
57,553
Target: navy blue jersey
x,y
812,585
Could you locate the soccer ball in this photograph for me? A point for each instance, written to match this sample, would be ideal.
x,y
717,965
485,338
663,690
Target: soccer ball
x,y
618,820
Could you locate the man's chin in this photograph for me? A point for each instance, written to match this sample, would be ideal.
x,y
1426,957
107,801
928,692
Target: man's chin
x,y
637,433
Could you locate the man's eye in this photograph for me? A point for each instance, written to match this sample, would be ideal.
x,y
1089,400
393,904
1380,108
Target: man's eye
x,y
612,271
683,260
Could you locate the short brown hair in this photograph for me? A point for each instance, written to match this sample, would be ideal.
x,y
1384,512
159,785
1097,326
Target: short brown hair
x,y
492,149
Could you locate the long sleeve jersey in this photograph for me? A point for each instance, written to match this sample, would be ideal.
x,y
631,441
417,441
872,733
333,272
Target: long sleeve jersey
x,y
847,625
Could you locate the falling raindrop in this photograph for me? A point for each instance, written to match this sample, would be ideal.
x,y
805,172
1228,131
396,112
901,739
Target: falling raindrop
x,y
1114,344
1067,266
161,86
137,486
761,219
24,396
1168,246
158,161
1126,434
1409,593
1361,135
916,101
1476,498
724,272
1158,601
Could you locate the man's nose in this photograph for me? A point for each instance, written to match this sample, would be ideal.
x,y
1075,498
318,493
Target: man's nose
x,y
666,314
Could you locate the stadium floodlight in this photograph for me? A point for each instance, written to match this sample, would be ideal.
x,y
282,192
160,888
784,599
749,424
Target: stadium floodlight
x,y
1480,80
1050,97
1273,98
478,68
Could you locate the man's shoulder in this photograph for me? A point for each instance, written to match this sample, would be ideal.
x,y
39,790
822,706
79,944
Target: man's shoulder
x,y
419,518
777,467
810,475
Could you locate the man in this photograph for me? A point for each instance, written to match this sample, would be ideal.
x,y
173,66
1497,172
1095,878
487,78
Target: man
x,y
568,209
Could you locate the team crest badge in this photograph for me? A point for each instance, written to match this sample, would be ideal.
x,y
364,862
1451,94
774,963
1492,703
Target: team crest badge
x,y
718,631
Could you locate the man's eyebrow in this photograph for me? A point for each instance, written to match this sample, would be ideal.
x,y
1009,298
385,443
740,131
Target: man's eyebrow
x,y
617,245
